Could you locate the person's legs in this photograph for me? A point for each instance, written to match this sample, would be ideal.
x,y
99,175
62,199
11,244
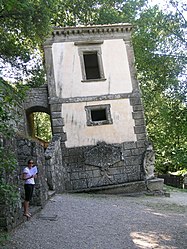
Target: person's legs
x,y
28,195
26,207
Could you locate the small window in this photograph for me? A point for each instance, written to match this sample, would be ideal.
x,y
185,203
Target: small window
x,y
91,65
98,115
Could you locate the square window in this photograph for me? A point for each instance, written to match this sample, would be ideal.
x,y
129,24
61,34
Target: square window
x,y
98,115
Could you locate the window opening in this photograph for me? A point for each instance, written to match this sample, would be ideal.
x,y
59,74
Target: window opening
x,y
91,62
98,115
91,65
39,127
42,126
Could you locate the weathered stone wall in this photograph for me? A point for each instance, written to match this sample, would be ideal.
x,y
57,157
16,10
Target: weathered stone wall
x,y
37,99
103,165
10,202
28,149
11,213
55,170
11,210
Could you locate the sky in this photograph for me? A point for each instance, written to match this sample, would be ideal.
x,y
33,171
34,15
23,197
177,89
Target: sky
x,y
166,6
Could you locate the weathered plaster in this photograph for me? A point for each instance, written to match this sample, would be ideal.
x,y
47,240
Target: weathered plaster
x,y
68,76
79,134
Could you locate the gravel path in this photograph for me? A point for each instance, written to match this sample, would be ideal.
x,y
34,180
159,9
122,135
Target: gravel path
x,y
88,221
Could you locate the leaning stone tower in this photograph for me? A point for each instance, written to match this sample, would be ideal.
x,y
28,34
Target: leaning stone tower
x,y
95,107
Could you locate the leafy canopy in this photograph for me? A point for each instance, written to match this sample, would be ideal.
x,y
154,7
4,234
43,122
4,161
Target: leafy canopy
x,y
159,40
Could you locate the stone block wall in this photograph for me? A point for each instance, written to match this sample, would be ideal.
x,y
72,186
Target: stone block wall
x,y
103,165
11,213
56,172
37,98
11,210
10,202
28,149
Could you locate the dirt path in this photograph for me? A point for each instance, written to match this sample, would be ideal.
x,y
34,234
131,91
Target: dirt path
x,y
88,221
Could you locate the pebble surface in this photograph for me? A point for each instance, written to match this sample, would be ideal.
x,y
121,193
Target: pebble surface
x,y
90,221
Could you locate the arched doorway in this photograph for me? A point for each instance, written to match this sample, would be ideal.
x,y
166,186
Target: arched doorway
x,y
39,125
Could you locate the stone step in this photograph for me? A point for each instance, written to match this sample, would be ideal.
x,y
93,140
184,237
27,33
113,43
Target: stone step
x,y
51,193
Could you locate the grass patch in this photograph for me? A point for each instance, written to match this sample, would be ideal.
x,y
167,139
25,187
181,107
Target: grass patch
x,y
173,189
168,207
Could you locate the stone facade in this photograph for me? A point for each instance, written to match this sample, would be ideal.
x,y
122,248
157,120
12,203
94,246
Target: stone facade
x,y
103,165
85,154
112,152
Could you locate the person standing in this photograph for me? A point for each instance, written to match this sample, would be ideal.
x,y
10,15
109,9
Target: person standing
x,y
28,175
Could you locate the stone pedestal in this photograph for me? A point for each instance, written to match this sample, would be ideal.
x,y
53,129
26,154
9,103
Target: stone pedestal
x,y
155,184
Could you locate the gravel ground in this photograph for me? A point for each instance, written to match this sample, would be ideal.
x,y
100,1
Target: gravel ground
x,y
90,221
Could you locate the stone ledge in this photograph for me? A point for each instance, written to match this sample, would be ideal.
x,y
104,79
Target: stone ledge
x,y
130,187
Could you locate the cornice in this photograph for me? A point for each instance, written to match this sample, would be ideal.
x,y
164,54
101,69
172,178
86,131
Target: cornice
x,y
89,33
93,29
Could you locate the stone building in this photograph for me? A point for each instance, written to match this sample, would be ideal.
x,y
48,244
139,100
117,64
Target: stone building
x,y
97,118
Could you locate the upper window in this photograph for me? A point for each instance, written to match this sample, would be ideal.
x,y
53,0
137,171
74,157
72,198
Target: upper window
x,y
91,61
98,115
91,65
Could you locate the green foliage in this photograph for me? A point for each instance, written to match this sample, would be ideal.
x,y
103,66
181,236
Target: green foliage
x,y
160,54
11,98
8,163
42,125
159,41
24,25
166,125
74,12
179,172
4,236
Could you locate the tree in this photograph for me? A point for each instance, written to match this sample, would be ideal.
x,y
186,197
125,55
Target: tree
x,y
23,27
159,42
160,55
42,126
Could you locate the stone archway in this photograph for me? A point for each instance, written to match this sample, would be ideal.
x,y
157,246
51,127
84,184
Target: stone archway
x,y
36,101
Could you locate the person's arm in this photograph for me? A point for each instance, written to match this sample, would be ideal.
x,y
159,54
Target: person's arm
x,y
35,176
24,176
